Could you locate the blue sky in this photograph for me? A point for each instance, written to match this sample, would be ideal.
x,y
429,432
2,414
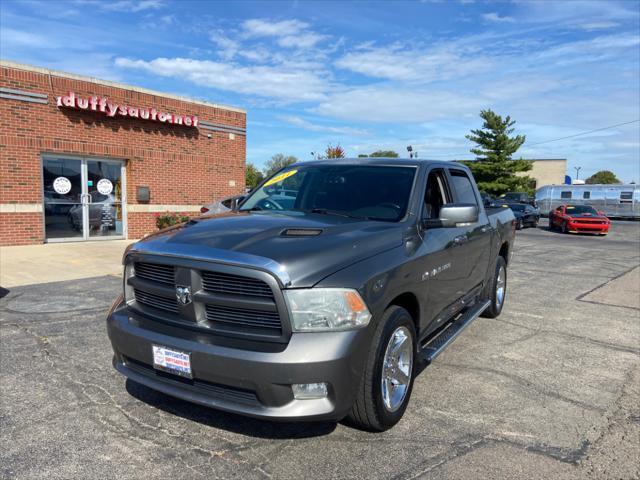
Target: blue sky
x,y
366,75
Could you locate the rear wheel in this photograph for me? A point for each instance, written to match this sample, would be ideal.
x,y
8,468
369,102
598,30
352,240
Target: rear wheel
x,y
498,291
387,381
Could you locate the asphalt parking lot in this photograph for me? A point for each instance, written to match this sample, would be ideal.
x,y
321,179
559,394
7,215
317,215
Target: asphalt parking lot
x,y
550,389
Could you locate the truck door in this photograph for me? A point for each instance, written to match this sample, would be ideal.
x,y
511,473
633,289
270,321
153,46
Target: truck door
x,y
435,264
473,241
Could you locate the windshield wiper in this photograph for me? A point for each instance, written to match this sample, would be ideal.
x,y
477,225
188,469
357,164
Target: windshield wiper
x,y
324,211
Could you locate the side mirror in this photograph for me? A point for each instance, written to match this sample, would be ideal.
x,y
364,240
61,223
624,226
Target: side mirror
x,y
453,214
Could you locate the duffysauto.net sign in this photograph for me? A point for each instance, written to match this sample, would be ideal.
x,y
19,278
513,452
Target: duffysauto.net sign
x,y
103,105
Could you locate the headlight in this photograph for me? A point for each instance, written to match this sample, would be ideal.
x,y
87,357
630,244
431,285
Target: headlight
x,y
128,289
326,309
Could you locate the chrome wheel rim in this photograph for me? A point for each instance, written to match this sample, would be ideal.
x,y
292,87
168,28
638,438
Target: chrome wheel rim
x,y
397,369
501,286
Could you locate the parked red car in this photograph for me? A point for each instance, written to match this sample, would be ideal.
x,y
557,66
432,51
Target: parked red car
x,y
578,218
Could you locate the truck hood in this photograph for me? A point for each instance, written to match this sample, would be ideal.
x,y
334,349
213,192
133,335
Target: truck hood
x,y
318,246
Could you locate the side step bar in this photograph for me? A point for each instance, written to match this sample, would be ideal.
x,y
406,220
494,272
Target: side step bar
x,y
435,347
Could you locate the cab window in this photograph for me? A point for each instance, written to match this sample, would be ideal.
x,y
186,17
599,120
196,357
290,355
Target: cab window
x,y
436,194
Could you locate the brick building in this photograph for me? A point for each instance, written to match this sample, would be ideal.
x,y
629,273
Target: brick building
x,y
87,159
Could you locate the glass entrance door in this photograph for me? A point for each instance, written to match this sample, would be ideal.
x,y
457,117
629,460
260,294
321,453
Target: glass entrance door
x,y
83,198
104,190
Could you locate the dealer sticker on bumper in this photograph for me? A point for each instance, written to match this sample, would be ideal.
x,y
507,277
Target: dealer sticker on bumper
x,y
172,361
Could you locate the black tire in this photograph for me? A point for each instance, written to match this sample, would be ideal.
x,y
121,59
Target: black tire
x,y
565,229
369,411
535,222
495,307
519,224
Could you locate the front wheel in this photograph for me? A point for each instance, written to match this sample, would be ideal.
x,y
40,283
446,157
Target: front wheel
x,y
387,381
498,290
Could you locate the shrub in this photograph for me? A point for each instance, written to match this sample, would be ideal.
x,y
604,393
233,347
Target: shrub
x,y
168,219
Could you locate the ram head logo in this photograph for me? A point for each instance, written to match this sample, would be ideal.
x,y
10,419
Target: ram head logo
x,y
183,294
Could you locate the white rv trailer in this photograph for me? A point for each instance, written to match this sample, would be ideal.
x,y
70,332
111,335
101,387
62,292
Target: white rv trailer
x,y
616,201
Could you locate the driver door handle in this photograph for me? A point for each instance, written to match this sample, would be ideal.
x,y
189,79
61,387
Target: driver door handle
x,y
460,239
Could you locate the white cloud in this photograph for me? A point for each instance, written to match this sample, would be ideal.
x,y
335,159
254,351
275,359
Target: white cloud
x,y
227,48
593,49
590,26
409,64
11,38
131,6
276,82
315,127
262,28
288,33
496,18
302,40
398,105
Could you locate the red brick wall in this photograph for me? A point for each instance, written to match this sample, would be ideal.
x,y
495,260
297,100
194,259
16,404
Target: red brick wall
x,y
20,228
179,164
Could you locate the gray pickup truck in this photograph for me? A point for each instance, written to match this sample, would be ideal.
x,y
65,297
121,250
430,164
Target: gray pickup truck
x,y
320,297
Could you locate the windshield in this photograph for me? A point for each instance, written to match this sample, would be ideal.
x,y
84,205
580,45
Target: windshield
x,y
358,191
517,208
513,196
581,210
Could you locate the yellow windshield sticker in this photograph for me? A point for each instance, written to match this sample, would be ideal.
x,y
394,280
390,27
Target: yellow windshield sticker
x,y
280,177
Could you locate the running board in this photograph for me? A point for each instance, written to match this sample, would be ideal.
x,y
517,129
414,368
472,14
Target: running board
x,y
435,347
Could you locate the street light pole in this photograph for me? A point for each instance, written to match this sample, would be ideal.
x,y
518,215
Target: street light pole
x,y
577,169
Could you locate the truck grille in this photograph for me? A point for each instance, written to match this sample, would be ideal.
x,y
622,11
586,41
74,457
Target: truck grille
x,y
223,300
216,282
250,319
156,301
155,272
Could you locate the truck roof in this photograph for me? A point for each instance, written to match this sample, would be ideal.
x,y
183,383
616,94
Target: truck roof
x,y
405,162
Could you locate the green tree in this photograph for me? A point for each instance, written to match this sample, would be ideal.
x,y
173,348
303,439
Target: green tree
x,y
253,176
334,152
494,169
385,153
277,162
603,176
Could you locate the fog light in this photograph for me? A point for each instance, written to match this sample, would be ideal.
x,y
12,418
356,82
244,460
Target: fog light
x,y
304,391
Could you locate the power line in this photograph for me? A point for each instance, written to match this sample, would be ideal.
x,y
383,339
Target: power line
x,y
561,138
584,133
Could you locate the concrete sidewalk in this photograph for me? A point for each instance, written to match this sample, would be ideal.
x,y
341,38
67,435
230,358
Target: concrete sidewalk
x,y
55,262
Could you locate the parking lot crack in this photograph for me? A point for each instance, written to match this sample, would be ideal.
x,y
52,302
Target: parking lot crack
x,y
593,341
527,384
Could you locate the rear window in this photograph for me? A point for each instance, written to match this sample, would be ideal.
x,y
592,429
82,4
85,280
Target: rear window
x,y
463,187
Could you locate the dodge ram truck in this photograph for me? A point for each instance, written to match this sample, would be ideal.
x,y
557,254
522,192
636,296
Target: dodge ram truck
x,y
320,296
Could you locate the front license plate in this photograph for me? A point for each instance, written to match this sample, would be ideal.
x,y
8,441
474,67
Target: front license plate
x,y
172,361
